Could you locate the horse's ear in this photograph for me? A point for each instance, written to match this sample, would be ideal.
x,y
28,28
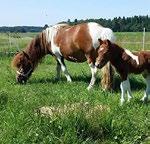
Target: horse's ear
x,y
26,55
17,52
108,42
100,41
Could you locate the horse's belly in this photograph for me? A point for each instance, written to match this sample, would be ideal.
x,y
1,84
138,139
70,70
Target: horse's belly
x,y
79,57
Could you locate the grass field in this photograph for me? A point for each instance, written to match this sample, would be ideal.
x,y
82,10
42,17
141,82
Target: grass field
x,y
79,116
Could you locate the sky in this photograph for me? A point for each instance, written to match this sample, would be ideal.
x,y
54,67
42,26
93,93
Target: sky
x,y
41,12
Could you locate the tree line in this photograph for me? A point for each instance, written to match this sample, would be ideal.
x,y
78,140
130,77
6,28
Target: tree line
x,y
120,24
117,24
20,29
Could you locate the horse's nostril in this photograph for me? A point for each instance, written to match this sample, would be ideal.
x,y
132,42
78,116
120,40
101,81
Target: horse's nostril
x,y
97,65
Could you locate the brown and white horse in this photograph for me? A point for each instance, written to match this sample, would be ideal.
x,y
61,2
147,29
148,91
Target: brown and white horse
x,y
125,62
74,43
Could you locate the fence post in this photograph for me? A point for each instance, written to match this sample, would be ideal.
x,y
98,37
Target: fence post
x,y
143,38
9,37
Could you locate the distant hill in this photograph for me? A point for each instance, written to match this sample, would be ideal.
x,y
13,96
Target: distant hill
x,y
22,29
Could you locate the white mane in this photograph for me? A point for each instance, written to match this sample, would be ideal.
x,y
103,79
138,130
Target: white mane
x,y
107,33
52,30
99,32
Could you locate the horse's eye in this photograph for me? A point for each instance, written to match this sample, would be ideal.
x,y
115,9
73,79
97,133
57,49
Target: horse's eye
x,y
18,65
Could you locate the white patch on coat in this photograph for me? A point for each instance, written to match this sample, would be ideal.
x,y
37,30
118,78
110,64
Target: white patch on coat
x,y
93,78
50,35
134,57
97,31
101,49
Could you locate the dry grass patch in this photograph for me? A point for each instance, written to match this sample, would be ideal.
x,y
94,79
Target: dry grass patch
x,y
53,111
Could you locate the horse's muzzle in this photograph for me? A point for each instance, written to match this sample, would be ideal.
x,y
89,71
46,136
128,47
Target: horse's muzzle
x,y
98,65
21,79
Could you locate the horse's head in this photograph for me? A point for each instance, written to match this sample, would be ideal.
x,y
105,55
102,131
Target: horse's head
x,y
103,53
24,67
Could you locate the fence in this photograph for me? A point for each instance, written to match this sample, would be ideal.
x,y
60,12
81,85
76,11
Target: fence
x,y
10,43
134,40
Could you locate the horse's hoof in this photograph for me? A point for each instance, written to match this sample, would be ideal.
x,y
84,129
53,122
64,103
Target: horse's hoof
x,y
69,79
121,102
89,88
129,99
144,99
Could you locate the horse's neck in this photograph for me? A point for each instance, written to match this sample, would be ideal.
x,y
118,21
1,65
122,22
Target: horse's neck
x,y
125,60
116,54
37,49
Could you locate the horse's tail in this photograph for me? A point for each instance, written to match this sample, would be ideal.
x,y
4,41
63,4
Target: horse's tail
x,y
107,77
107,70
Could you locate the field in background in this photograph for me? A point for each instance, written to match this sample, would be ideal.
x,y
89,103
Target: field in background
x,y
133,40
12,42
102,121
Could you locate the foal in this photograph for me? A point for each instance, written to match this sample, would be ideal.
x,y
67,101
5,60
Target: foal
x,y
125,63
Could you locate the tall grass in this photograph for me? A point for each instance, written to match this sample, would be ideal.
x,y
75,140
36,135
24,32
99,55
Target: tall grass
x,y
20,122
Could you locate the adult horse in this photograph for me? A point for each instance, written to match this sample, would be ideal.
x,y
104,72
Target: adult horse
x,y
76,43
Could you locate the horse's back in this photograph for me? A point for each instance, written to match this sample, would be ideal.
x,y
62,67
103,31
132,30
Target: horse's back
x,y
86,35
78,40
74,38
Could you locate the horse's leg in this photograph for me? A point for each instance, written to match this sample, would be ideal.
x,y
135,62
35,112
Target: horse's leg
x,y
91,62
147,92
125,86
64,68
129,90
93,78
122,87
58,69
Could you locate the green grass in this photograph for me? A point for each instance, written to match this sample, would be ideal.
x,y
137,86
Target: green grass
x,y
14,42
127,124
135,40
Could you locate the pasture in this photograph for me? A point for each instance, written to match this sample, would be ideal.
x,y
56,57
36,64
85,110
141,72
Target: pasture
x,y
96,117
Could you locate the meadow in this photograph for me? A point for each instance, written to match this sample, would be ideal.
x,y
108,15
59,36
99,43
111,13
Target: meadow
x,y
77,116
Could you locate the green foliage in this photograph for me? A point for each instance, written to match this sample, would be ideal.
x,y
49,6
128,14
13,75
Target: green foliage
x,y
118,24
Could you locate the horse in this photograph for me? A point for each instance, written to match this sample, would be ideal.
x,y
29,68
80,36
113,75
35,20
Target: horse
x,y
76,43
125,62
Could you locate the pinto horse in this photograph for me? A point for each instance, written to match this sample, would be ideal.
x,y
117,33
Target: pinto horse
x,y
125,62
76,43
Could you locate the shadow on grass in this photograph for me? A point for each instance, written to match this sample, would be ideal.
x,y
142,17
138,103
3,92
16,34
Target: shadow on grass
x,y
139,102
135,83
85,79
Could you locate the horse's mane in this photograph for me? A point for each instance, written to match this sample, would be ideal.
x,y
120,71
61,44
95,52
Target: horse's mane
x,y
37,48
116,47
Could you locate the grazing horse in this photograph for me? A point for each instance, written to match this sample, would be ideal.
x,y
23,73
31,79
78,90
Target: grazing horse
x,y
76,43
125,62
